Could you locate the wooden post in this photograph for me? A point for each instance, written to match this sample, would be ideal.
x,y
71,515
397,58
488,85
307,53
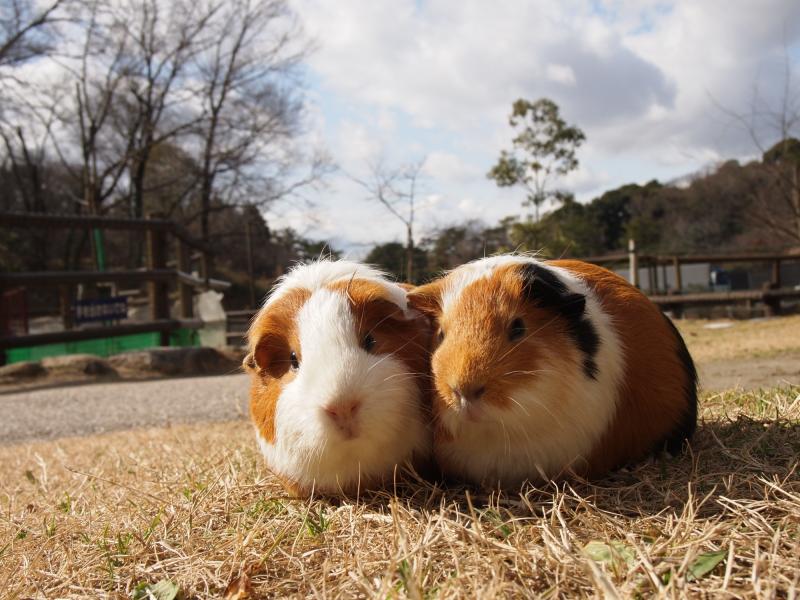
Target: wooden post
x,y
250,271
676,264
772,306
657,288
204,267
677,310
158,291
65,302
633,263
650,279
185,296
776,274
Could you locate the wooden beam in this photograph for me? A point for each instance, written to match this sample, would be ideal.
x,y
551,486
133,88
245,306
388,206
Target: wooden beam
x,y
727,297
58,278
50,221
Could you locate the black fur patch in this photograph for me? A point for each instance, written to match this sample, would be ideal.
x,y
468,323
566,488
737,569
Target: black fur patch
x,y
685,428
543,287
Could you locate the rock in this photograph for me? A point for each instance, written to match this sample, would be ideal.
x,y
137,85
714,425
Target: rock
x,y
176,361
22,370
84,364
210,361
164,361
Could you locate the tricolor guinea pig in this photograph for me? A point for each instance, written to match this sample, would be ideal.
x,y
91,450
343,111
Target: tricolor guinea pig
x,y
546,368
340,387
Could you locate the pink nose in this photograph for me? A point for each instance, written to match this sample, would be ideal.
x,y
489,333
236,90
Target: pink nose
x,y
345,416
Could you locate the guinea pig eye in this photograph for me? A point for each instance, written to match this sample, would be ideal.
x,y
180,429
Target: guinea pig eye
x,y
517,330
294,361
368,343
440,336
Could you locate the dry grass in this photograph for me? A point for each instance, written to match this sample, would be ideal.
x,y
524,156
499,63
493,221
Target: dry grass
x,y
743,339
194,505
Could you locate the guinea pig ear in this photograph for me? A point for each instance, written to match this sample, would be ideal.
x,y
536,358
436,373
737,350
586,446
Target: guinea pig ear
x,y
427,298
542,286
249,363
270,355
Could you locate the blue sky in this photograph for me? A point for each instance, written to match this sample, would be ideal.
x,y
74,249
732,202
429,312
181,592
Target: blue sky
x,y
434,79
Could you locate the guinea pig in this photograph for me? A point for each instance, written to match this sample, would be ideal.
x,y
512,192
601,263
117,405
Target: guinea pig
x,y
339,378
548,368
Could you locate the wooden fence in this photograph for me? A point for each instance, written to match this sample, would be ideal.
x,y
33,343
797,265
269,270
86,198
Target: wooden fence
x,y
157,275
771,294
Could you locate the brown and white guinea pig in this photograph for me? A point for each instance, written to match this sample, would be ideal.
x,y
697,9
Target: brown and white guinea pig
x,y
340,378
546,368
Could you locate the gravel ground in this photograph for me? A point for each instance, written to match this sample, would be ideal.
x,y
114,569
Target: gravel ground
x,y
96,408
76,410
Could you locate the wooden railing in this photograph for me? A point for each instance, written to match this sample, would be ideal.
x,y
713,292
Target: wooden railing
x,y
676,299
157,276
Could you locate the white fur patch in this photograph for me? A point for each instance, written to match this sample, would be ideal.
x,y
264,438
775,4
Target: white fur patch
x,y
308,448
534,439
316,275
464,276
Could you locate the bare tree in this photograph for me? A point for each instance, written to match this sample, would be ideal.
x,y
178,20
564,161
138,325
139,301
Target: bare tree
x,y
97,91
774,128
251,108
211,87
155,108
395,188
26,29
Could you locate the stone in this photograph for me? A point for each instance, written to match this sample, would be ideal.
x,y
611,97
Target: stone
x,y
176,361
85,364
28,369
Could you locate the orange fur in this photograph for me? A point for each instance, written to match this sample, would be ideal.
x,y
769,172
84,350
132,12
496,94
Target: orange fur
x,y
273,335
408,340
482,354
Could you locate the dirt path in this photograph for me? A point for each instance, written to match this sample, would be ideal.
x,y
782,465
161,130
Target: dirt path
x,y
102,407
97,408
750,373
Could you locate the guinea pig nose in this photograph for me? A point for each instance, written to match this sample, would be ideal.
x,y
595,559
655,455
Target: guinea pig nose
x,y
343,414
469,393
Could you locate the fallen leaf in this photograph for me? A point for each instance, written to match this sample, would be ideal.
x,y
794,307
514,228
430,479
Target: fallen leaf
x,y
163,590
614,554
239,588
704,564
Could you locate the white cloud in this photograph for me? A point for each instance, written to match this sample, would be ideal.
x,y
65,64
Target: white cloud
x,y
641,78
562,74
446,166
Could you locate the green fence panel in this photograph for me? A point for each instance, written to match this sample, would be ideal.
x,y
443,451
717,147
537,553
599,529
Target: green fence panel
x,y
105,346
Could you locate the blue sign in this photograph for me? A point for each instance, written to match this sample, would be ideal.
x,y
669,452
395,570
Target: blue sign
x,y
101,309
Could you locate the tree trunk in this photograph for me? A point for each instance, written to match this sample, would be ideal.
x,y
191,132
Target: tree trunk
x,y
409,255
796,197
205,207
207,185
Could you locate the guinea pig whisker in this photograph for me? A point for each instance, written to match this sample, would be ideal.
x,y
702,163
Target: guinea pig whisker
x,y
380,360
506,435
389,354
525,410
548,411
374,327
536,372
409,374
